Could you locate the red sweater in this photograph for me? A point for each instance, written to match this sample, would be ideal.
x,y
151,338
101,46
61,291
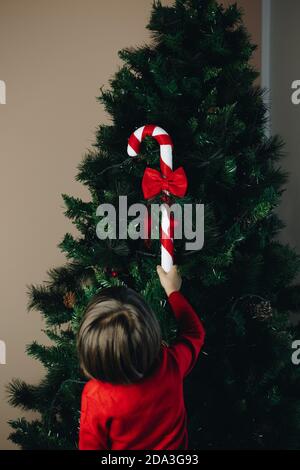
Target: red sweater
x,y
150,414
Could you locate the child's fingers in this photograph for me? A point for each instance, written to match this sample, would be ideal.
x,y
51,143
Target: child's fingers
x,y
160,271
173,271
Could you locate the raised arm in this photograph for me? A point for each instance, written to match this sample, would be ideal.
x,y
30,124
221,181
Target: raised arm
x,y
191,333
191,330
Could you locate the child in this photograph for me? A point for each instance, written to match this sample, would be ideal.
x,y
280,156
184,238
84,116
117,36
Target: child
x,y
134,399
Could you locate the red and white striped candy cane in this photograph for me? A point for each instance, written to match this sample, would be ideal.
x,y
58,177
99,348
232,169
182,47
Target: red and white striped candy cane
x,y
166,165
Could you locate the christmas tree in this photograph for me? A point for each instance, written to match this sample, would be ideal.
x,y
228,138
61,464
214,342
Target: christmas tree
x,y
195,81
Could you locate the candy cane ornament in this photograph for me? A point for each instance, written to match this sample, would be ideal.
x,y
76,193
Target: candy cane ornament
x,y
167,182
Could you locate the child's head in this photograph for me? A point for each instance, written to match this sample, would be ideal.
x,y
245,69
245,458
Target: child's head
x,y
119,339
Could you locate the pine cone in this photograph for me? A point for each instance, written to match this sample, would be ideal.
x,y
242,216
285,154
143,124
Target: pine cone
x,y
212,110
69,299
263,310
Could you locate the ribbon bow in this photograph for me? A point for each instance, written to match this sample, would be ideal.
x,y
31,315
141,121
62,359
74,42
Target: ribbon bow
x,y
153,183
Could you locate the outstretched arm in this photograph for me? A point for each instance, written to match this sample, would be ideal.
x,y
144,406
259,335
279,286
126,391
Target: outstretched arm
x,y
191,330
191,335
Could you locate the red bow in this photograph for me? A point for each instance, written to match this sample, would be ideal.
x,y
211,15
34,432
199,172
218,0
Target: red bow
x,y
153,183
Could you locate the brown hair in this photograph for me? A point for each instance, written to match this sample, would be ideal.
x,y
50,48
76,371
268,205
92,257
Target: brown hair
x,y
119,339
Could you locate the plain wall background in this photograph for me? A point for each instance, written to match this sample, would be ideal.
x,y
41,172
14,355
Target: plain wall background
x,y
54,56
285,116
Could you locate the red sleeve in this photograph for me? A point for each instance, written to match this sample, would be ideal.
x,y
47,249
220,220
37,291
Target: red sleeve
x,y
93,430
190,336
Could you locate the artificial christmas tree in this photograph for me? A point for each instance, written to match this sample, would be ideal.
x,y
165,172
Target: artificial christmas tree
x,y
194,80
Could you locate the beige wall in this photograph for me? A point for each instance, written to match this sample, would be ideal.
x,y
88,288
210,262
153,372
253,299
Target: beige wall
x,y
54,56
252,19
285,116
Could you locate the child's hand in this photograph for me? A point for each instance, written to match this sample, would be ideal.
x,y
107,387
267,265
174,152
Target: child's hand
x,y
170,281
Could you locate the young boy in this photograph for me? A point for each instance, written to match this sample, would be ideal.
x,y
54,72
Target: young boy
x,y
134,399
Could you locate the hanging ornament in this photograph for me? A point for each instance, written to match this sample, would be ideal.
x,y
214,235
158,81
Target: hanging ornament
x,y
260,311
111,272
